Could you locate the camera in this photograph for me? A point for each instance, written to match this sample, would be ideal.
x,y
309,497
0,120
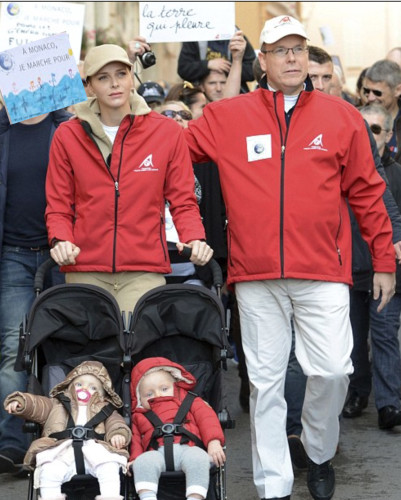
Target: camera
x,y
147,59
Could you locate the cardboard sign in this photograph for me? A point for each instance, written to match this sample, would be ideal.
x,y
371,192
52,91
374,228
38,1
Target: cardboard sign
x,y
186,21
39,77
24,22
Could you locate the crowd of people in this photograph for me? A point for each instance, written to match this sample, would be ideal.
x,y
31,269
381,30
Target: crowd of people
x,y
263,161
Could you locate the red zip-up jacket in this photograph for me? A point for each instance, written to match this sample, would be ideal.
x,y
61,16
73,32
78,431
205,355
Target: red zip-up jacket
x,y
115,212
201,420
285,186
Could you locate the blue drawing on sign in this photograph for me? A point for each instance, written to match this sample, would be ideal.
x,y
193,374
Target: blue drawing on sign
x,y
43,97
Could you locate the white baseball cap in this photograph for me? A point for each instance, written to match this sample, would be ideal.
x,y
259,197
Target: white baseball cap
x,y
279,27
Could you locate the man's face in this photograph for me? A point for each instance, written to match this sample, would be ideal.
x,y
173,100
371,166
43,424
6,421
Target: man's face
x,y
384,136
213,85
380,92
321,75
286,73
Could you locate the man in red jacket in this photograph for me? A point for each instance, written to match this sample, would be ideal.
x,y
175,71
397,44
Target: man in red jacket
x,y
285,173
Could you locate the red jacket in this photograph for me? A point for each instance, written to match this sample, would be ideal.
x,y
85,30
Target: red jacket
x,y
285,187
116,214
201,420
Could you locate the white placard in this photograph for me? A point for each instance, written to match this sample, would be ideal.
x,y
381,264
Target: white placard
x,y
39,77
24,22
186,21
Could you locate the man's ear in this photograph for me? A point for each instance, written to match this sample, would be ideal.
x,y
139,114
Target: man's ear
x,y
262,61
397,90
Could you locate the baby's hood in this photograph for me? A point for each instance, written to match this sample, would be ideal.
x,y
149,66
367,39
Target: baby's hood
x,y
96,369
184,379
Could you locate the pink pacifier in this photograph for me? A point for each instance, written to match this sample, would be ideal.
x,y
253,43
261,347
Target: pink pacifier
x,y
83,395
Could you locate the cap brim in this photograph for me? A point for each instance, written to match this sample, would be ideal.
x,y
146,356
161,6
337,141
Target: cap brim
x,y
95,68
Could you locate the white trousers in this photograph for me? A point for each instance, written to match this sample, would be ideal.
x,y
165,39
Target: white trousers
x,y
320,311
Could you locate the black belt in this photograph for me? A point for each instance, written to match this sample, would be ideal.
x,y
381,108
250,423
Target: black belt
x,y
38,249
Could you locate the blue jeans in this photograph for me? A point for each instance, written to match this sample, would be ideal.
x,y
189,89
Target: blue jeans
x,y
385,350
17,271
294,391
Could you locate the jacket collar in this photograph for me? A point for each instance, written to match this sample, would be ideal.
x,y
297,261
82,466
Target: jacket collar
x,y
308,83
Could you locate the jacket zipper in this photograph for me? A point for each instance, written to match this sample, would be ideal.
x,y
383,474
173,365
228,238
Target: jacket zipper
x,y
227,228
88,130
117,192
161,235
282,159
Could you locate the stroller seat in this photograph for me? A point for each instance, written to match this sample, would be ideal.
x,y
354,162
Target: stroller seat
x,y
186,324
69,324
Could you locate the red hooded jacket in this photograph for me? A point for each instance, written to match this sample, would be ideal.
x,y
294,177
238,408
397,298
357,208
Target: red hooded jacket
x,y
201,420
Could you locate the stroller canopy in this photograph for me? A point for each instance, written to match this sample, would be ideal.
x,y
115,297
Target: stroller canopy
x,y
186,310
73,323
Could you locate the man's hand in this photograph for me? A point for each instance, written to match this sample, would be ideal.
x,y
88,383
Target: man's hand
x,y
219,64
397,248
64,253
384,285
237,46
201,251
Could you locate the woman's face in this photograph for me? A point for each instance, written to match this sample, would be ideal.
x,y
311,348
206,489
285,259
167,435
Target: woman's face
x,y
112,85
177,112
197,107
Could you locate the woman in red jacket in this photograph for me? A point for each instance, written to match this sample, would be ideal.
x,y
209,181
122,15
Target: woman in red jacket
x,y
109,174
159,387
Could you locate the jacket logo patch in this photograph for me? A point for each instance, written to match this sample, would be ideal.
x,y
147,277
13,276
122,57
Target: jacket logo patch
x,y
146,165
317,143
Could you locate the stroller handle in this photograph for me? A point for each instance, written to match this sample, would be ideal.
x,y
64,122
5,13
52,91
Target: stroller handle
x,y
41,273
213,265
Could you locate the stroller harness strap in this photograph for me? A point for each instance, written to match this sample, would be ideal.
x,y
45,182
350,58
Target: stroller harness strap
x,y
168,430
81,433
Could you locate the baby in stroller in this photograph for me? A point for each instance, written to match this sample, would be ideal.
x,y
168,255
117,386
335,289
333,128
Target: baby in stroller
x,y
174,425
81,430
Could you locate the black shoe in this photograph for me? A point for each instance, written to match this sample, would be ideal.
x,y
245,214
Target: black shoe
x,y
297,452
278,498
10,460
355,405
321,480
389,417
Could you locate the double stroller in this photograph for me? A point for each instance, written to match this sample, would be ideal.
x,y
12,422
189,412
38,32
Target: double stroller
x,y
72,323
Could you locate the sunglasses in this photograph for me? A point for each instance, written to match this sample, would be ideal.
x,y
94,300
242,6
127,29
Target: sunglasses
x,y
377,129
185,115
377,93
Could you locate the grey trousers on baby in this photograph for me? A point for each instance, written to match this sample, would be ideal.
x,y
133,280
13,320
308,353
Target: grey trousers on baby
x,y
192,460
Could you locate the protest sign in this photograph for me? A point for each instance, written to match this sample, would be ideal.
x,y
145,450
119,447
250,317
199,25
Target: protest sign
x,y
24,22
39,77
186,21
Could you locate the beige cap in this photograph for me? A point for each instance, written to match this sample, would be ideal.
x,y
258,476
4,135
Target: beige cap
x,y
99,56
279,27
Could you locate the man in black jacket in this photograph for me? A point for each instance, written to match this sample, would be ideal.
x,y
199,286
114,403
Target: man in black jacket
x,y
385,349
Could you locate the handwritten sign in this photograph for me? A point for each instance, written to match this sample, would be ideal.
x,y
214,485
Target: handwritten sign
x,y
186,21
24,22
39,77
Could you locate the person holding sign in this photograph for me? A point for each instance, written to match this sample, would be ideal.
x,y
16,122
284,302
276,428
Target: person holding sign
x,y
110,172
290,246
24,156
198,59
